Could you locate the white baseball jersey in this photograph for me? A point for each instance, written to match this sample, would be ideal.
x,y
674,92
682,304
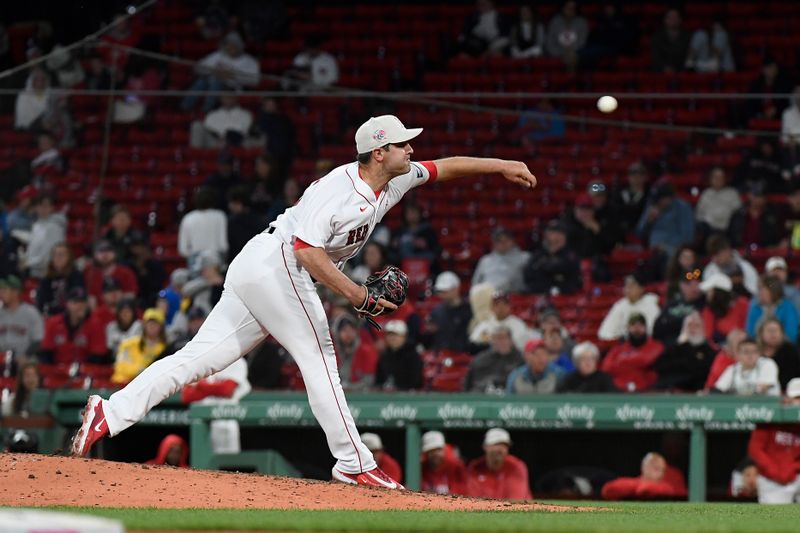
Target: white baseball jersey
x,y
339,211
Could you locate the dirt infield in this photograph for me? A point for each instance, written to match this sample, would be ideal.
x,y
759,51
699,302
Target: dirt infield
x,y
38,480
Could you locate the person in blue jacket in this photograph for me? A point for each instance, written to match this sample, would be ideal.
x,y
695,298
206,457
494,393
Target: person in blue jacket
x,y
770,302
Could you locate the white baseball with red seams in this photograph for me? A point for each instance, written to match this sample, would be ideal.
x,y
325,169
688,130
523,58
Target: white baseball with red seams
x,y
267,292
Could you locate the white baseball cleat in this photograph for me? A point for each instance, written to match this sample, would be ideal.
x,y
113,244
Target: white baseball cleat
x,y
372,478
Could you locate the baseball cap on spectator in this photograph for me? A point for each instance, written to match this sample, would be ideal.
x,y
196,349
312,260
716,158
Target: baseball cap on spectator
x,y
637,168
29,192
583,200
372,441
596,187
718,280
179,277
547,313
154,314
501,231
637,318
195,313
103,245
382,130
446,281
793,388
691,274
77,294
774,263
532,344
110,284
433,440
11,282
397,327
556,225
496,436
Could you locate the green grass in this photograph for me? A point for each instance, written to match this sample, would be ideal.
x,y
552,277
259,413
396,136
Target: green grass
x,y
620,518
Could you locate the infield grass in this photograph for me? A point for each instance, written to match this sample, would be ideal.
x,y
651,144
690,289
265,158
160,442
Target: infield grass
x,y
615,517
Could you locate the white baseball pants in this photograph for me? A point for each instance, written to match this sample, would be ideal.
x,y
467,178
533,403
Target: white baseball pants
x,y
771,492
266,293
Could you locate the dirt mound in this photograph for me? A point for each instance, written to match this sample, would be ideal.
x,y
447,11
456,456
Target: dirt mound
x,y
38,480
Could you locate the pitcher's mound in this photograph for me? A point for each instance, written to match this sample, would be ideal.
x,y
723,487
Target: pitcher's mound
x,y
38,480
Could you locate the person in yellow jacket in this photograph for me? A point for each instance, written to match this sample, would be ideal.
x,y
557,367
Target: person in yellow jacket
x,y
137,353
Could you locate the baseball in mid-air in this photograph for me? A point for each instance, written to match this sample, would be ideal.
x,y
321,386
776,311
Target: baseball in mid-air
x,y
607,104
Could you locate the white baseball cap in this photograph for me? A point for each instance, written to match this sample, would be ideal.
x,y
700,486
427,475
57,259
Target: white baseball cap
x,y
396,326
446,281
775,262
433,440
718,280
382,130
793,388
497,436
372,441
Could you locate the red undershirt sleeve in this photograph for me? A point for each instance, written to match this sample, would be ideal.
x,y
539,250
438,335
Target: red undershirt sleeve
x,y
299,244
432,170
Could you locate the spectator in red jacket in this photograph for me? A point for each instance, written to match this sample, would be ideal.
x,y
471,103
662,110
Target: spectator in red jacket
x,y
775,449
725,310
443,472
498,474
105,310
725,357
653,483
73,336
357,356
631,363
105,266
173,451
386,462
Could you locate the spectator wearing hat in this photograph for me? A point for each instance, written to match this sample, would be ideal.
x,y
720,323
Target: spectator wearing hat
x,y
776,266
120,232
755,224
498,474
105,266
227,125
399,365
48,230
357,356
653,483
150,272
554,267
448,322
605,214
228,68
667,221
631,364
635,300
205,290
772,343
172,295
724,259
243,224
180,337
124,326
21,324
502,316
775,449
72,336
751,374
137,353
558,350
689,299
726,356
539,374
503,266
629,201
717,204
61,276
22,217
589,234
770,302
443,471
489,370
386,462
203,230
684,366
724,310
586,377
106,309
172,451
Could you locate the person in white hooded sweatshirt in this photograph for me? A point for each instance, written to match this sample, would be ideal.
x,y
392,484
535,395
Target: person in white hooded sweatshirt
x,y
48,230
615,323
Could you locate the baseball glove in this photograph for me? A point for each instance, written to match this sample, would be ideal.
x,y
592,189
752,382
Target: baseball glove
x,y
391,284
